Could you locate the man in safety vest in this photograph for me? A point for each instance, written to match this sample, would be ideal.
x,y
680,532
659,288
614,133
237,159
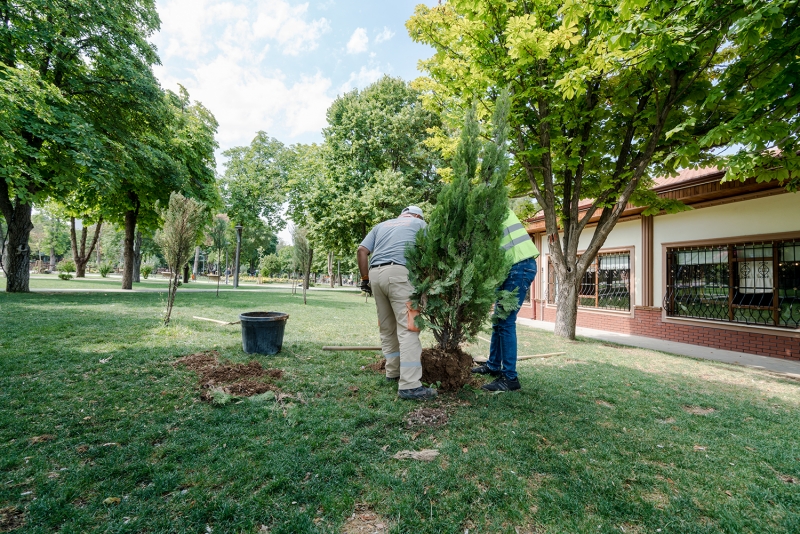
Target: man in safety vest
x,y
522,253
382,262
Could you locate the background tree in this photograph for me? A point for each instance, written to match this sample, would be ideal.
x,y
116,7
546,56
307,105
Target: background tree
x,y
303,255
53,239
458,264
65,112
183,224
606,96
254,182
374,162
257,239
173,153
218,233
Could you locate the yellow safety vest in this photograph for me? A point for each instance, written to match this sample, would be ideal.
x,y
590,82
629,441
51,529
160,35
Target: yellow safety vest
x,y
516,241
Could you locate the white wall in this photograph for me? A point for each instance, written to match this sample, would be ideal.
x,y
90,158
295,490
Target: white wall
x,y
625,234
768,215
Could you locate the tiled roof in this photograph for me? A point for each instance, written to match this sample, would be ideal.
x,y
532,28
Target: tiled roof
x,y
664,183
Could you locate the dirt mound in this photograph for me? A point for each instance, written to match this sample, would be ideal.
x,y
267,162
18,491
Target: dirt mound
x,y
231,372
426,417
449,369
199,361
235,379
379,366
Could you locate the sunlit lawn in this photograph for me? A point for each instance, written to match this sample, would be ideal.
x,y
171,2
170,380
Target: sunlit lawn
x,y
602,439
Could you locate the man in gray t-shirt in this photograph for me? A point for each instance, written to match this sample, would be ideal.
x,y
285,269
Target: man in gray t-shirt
x,y
382,262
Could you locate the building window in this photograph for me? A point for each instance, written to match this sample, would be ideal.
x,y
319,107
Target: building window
x,y
751,283
606,283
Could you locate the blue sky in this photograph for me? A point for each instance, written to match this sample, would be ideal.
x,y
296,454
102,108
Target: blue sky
x,y
276,65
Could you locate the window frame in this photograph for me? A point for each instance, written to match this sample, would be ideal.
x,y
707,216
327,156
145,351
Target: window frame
x,y
782,331
630,250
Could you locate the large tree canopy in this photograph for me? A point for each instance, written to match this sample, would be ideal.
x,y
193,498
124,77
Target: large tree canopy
x,y
604,96
254,182
375,161
75,83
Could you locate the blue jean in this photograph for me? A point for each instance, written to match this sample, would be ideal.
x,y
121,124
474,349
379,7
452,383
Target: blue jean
x,y
503,350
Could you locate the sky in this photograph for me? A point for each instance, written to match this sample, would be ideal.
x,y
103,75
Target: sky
x,y
276,65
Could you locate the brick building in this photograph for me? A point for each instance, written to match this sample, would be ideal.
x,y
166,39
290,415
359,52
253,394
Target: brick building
x,y
725,274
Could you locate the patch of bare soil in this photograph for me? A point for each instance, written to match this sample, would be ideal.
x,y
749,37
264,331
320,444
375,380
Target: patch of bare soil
x,y
232,372
698,410
199,361
11,518
789,479
379,366
233,378
365,521
451,370
426,417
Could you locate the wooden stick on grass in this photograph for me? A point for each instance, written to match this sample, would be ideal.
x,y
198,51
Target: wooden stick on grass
x,y
351,348
214,320
527,357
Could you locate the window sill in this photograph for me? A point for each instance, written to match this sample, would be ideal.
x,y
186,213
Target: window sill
x,y
600,311
737,327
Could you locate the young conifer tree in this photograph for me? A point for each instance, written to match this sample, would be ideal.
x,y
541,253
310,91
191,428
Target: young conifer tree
x,y
183,224
458,264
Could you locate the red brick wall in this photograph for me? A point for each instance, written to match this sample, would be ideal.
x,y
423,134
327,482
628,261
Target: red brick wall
x,y
647,322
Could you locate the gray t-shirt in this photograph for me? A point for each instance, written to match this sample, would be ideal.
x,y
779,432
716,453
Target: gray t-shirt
x,y
388,240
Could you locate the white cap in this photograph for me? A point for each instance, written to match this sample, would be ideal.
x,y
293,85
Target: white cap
x,y
413,210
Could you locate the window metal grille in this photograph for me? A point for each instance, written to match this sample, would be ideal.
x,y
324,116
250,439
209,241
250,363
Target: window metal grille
x,y
751,283
606,283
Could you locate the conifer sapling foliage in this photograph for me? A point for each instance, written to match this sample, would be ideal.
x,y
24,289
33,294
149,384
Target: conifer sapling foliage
x,y
457,264
183,225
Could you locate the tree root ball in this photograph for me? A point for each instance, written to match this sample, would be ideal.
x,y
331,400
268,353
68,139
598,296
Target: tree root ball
x,y
450,369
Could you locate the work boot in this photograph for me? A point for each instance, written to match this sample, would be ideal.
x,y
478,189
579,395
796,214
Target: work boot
x,y
420,393
483,369
393,379
502,384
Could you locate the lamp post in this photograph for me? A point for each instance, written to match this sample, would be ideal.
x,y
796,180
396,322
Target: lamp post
x,y
236,261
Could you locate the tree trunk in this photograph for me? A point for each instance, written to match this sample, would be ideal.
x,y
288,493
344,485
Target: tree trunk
x,y
186,273
52,258
307,269
567,305
196,265
331,277
17,256
127,248
79,254
137,257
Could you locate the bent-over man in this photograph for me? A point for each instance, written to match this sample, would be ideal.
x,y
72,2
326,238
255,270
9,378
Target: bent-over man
x,y
382,263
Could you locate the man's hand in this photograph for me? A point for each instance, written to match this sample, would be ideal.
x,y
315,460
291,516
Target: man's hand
x,y
366,287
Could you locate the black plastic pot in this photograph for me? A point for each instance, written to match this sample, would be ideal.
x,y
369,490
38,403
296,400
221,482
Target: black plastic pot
x,y
262,332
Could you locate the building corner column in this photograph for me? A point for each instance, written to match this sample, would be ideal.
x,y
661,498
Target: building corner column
x,y
647,260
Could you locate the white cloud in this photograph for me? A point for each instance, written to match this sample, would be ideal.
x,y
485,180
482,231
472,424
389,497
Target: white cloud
x,y
358,42
385,35
245,101
287,25
191,29
361,79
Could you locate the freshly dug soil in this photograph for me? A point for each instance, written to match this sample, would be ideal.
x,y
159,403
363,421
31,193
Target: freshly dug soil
x,y
233,378
450,369
233,371
379,366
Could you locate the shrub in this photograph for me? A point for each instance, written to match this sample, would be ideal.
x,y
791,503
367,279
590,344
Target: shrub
x,y
66,266
146,271
105,268
65,276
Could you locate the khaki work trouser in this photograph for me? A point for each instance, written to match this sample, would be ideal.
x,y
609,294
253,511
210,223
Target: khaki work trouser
x,y
401,346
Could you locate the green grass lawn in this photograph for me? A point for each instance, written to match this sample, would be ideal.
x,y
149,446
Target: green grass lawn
x,y
602,439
